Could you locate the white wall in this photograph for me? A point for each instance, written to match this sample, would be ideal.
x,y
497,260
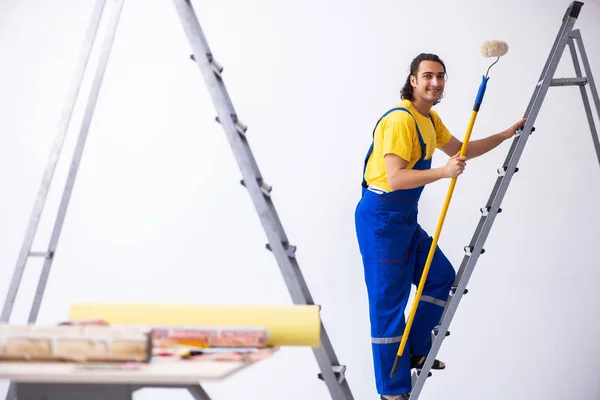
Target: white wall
x,y
158,208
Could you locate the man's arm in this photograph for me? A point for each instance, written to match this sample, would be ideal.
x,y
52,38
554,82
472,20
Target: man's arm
x,y
479,147
400,177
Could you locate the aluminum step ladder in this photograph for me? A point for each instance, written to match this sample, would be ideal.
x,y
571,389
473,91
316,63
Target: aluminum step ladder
x,y
567,36
331,372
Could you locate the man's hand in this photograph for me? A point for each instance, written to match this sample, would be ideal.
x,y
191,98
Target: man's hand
x,y
507,134
455,166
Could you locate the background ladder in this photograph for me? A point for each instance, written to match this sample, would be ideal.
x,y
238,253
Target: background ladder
x,y
331,372
566,36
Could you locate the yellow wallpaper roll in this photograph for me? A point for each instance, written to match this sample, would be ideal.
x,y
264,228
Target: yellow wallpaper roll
x,y
297,325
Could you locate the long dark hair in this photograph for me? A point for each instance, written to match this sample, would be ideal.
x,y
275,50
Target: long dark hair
x,y
407,91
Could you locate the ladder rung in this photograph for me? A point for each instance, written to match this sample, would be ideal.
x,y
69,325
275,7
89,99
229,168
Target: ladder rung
x,y
217,68
44,254
290,249
569,82
436,331
415,375
241,128
519,131
264,187
502,171
237,122
339,371
455,288
469,250
486,210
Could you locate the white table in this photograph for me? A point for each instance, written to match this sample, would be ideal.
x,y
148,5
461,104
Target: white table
x,y
69,381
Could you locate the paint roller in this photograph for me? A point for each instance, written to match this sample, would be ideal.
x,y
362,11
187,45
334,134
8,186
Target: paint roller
x,y
489,48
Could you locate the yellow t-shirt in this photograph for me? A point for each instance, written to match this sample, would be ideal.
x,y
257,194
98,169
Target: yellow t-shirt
x,y
396,134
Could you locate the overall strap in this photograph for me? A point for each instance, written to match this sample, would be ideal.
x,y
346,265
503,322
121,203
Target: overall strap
x,y
421,141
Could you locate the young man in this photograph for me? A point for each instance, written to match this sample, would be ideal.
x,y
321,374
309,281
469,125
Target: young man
x,y
393,245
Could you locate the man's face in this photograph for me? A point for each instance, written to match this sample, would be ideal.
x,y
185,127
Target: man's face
x,y
429,82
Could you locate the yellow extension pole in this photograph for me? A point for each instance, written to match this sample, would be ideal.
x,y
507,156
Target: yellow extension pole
x,y
436,236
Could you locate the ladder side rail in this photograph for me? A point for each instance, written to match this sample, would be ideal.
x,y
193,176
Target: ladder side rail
x,y
220,97
252,180
576,36
50,169
469,265
555,51
571,14
503,181
76,159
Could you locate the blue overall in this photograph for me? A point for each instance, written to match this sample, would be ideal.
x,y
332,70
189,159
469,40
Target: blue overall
x,y
394,250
